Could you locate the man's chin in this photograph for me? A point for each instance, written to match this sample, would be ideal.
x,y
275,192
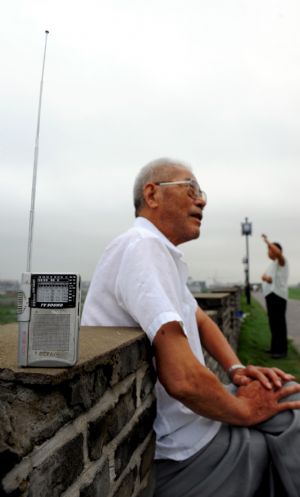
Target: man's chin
x,y
195,234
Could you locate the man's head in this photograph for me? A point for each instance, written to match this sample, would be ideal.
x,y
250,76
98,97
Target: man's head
x,y
167,194
271,253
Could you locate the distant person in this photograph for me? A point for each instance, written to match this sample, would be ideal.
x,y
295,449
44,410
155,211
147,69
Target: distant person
x,y
275,290
211,440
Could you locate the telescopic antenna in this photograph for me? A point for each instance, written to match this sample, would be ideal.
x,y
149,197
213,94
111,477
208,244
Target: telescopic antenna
x,y
35,164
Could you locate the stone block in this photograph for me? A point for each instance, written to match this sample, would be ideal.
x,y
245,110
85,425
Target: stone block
x,y
16,493
149,486
81,391
9,455
86,389
147,458
8,459
102,430
148,383
58,471
212,301
29,416
100,486
126,488
128,359
134,438
103,377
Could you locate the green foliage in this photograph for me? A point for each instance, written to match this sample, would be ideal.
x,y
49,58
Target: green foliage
x,y
294,293
8,309
7,315
255,339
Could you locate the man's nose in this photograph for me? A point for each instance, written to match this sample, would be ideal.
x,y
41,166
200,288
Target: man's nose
x,y
200,201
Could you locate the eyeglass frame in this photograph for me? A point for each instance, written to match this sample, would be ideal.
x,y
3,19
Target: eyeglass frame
x,y
198,193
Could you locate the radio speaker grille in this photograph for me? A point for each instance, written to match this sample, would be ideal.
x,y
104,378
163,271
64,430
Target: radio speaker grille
x,y
20,303
50,332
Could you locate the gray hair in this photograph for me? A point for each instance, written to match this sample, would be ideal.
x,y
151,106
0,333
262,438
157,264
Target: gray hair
x,y
157,170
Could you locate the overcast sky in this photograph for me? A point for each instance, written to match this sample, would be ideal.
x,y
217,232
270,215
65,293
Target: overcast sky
x,y
213,83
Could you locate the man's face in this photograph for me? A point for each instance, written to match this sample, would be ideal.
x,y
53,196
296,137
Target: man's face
x,y
271,255
180,208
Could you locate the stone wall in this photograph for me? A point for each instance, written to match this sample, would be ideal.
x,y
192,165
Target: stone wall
x,y
223,307
79,432
86,431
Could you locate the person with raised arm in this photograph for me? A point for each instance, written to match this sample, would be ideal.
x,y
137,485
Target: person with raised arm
x,y
275,290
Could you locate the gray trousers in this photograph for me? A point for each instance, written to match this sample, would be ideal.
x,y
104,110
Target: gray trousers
x,y
263,461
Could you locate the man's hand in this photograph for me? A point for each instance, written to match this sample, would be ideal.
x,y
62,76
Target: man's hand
x,y
262,404
266,278
199,389
265,238
268,377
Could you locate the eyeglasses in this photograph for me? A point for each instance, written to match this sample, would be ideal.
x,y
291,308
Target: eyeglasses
x,y
194,190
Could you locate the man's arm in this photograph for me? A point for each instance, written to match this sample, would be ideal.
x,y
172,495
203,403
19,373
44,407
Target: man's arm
x,y
218,347
266,278
275,251
213,340
185,379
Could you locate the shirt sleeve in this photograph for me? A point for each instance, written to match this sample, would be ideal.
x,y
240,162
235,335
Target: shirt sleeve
x,y
147,285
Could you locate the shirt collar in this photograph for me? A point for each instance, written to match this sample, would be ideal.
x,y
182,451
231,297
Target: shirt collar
x,y
142,222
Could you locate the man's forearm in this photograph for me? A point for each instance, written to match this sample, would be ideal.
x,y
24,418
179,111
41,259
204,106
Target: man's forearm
x,y
188,381
214,341
251,405
207,397
277,253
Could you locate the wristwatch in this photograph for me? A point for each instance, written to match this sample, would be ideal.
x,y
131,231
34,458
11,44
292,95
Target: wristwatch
x,y
234,367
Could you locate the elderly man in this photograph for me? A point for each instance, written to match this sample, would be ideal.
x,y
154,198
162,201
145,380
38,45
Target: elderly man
x,y
212,441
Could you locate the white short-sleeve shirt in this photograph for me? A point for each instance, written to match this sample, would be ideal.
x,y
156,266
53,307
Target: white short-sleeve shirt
x,y
141,281
279,275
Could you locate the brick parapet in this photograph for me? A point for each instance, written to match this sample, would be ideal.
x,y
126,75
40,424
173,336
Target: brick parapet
x,y
85,431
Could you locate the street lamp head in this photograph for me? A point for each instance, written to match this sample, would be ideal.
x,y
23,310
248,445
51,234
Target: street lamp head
x,y
246,227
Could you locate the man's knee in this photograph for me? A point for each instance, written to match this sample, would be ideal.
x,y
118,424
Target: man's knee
x,y
294,396
281,422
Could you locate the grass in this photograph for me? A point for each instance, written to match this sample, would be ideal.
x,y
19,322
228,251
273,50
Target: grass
x,y
8,309
294,293
255,338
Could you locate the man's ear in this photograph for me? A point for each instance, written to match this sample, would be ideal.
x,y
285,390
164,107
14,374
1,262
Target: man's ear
x,y
151,195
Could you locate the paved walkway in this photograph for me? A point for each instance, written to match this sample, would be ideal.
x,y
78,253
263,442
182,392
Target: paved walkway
x,y
293,317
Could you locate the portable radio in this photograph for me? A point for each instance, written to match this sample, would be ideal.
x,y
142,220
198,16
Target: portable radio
x,y
48,314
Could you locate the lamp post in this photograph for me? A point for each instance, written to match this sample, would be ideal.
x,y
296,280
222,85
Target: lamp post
x,y
247,230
